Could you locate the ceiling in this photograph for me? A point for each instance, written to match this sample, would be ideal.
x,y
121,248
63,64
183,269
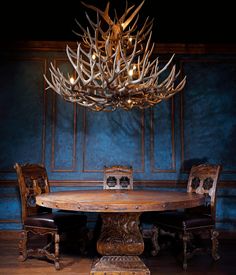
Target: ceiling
x,y
174,21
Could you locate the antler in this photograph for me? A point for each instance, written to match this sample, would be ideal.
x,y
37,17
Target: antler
x,y
113,67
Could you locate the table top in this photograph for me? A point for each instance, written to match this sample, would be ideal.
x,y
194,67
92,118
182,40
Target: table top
x,y
119,200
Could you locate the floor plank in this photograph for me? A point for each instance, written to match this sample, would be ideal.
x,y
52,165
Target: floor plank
x,y
163,263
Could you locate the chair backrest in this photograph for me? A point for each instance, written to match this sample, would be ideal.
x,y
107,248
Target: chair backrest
x,y
118,177
33,180
203,179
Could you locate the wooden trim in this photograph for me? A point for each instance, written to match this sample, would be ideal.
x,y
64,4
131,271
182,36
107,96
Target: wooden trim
x,y
98,183
10,221
8,183
160,48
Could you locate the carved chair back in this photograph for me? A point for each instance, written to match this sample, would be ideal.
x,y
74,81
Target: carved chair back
x,y
203,179
33,180
118,177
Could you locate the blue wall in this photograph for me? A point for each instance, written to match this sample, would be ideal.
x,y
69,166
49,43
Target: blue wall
x,y
161,143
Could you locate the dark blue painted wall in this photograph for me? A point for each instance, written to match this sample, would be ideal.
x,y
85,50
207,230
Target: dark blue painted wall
x,y
161,143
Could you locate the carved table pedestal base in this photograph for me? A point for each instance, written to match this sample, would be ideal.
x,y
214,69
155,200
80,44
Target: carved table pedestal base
x,y
121,241
119,265
120,235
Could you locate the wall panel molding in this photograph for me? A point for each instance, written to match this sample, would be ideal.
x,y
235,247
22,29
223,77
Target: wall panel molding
x,y
10,221
172,168
54,151
41,90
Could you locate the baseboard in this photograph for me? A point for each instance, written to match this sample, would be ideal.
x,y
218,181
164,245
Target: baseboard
x,y
9,234
15,234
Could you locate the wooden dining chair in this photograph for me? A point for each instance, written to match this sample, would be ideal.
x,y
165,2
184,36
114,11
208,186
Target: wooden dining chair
x,y
37,220
192,224
118,177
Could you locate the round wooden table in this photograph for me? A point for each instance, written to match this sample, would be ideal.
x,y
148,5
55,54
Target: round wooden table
x,y
120,211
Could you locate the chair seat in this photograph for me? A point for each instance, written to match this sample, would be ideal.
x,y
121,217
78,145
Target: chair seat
x,y
60,220
182,220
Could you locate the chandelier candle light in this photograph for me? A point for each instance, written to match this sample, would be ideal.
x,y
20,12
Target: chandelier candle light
x,y
113,66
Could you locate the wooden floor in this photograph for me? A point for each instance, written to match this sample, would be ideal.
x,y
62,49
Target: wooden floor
x,y
164,263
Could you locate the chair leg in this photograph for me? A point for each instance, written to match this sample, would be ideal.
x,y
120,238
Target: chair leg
x,y
155,244
185,241
215,244
56,261
22,246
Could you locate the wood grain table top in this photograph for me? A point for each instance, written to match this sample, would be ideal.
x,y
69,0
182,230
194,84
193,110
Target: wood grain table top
x,y
119,200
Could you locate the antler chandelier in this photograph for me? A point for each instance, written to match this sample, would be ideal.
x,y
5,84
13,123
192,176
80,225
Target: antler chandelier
x,y
113,66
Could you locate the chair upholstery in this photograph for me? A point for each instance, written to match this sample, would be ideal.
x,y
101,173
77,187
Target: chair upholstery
x,y
194,222
118,177
37,220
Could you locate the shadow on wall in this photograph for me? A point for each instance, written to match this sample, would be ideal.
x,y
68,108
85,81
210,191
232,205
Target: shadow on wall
x,y
125,122
228,154
187,164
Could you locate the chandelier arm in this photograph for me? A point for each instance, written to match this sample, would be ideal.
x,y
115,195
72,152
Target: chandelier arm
x,y
107,46
107,69
127,22
78,68
163,83
181,84
90,38
127,10
56,77
104,14
81,27
49,84
154,68
101,72
133,27
78,34
147,49
92,24
167,65
151,73
96,38
132,55
145,60
171,77
147,27
138,66
128,63
87,72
